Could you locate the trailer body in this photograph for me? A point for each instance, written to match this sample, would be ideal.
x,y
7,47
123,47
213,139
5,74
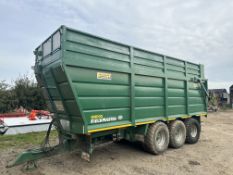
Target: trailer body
x,y
94,84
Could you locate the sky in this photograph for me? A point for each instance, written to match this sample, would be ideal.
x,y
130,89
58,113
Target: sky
x,y
200,31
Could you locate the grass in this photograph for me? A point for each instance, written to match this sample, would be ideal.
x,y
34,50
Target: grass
x,y
24,140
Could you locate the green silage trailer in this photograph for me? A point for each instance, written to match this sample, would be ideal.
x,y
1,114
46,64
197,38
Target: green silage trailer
x,y
102,90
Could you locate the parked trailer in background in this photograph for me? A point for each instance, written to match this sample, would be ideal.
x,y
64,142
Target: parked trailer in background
x,y
101,90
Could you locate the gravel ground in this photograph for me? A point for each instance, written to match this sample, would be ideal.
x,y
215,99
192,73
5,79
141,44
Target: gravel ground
x,y
213,154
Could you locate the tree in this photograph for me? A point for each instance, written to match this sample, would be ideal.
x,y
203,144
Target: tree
x,y
7,98
25,92
28,94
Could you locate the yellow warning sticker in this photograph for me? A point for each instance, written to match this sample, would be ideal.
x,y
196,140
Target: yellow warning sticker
x,y
104,76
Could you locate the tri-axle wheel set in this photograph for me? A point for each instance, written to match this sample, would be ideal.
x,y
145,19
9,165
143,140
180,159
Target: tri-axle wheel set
x,y
174,134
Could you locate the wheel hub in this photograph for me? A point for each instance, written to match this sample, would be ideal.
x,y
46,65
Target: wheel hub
x,y
193,130
179,134
161,138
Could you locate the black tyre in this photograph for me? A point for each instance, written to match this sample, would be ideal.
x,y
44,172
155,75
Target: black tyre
x,y
193,130
157,138
177,134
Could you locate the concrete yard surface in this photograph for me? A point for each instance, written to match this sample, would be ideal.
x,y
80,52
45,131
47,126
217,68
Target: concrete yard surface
x,y
213,154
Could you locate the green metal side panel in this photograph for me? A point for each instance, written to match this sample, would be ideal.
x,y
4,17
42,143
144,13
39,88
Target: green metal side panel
x,y
98,83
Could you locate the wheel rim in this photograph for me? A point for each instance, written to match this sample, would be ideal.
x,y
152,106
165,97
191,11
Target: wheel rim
x,y
179,134
161,138
193,130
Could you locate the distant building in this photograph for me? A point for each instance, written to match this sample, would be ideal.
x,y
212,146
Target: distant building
x,y
222,96
231,95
